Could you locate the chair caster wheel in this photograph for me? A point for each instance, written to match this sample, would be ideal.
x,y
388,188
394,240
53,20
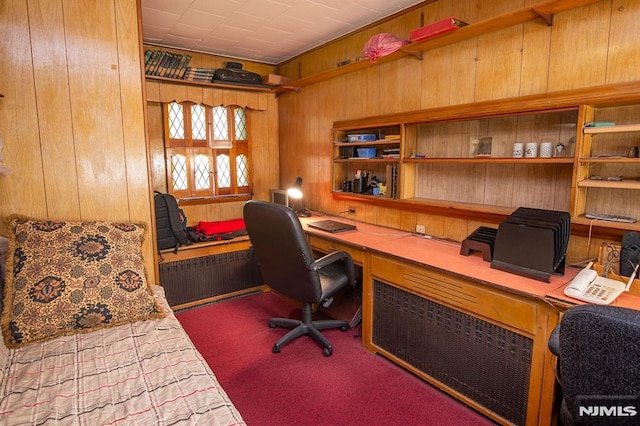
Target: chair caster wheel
x,y
276,349
344,328
327,351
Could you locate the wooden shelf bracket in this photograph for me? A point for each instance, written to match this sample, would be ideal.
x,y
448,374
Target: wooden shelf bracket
x,y
547,17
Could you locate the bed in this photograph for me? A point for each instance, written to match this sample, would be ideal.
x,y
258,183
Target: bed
x,y
144,372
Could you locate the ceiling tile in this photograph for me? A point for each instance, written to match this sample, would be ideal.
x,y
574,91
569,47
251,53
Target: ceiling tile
x,y
270,31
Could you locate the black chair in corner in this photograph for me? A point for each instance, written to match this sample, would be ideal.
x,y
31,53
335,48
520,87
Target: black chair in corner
x,y
288,267
598,365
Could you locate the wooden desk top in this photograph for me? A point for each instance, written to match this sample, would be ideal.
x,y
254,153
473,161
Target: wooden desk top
x,y
437,254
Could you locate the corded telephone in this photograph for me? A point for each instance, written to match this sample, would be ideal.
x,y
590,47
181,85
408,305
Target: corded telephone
x,y
588,286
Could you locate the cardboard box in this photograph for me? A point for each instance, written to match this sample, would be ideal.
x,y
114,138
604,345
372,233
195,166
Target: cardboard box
x,y
441,27
276,80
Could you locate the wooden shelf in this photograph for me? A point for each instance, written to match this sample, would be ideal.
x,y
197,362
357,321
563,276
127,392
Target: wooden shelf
x,y
544,11
610,160
366,160
612,184
505,160
227,86
582,220
612,129
371,143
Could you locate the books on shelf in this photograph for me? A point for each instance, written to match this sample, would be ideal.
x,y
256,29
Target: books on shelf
x,y
199,74
165,64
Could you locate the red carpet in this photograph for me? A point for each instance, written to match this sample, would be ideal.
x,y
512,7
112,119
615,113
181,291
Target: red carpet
x,y
299,386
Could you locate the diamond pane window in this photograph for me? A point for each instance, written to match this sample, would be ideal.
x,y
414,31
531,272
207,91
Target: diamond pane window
x,y
198,122
224,171
202,169
220,125
176,121
240,119
242,170
179,172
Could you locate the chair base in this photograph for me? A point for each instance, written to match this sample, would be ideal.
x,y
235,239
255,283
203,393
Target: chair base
x,y
306,326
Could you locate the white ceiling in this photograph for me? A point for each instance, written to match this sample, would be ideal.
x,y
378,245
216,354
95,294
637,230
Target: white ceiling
x,y
269,31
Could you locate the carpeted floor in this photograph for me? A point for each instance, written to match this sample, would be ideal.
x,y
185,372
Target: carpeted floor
x,y
299,386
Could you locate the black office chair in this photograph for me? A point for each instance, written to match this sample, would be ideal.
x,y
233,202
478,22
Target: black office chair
x,y
288,267
598,365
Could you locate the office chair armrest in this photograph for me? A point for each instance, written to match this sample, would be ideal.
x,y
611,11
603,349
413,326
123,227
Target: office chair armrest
x,y
554,341
334,257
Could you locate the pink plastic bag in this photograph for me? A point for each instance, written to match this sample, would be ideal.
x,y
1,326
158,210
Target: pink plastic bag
x,y
382,44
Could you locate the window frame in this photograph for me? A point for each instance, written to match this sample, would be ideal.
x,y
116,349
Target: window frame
x,y
190,148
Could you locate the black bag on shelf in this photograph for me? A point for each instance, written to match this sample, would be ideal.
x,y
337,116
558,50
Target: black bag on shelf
x,y
171,222
229,75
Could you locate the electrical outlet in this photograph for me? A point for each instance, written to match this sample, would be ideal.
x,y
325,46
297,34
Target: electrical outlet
x,y
352,210
420,229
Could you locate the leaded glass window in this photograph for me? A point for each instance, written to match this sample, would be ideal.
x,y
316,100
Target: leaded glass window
x,y
179,172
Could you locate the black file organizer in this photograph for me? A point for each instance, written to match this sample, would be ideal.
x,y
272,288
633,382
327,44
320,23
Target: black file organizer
x,y
532,243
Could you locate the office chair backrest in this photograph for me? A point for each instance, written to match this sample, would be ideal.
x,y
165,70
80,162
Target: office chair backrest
x,y
599,357
282,250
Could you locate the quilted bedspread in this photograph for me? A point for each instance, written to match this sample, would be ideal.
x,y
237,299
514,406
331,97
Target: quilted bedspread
x,y
143,373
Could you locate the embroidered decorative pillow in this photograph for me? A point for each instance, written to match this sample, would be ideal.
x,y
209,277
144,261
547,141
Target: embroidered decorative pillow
x,y
73,277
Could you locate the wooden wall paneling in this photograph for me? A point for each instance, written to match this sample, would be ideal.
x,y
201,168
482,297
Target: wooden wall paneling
x,y
562,190
152,91
130,66
499,64
328,109
579,45
500,185
195,94
155,124
23,191
54,109
173,92
449,73
212,97
536,40
534,186
98,126
264,150
288,137
273,168
455,229
623,55
310,165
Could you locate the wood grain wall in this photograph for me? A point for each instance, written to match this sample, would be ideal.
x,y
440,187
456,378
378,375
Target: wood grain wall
x,y
72,116
588,46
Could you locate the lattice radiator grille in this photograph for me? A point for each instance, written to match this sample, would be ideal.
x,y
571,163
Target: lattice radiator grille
x,y
189,280
487,363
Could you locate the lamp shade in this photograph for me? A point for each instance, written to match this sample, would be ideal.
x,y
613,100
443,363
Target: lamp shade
x,y
296,189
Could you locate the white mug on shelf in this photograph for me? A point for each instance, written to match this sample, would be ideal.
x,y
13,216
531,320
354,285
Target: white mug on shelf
x,y
518,149
546,149
531,150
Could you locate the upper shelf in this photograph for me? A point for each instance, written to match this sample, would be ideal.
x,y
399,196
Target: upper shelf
x,y
228,86
613,129
544,10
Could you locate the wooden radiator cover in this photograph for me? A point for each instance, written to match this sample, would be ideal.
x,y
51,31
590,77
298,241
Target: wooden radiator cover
x,y
483,361
193,279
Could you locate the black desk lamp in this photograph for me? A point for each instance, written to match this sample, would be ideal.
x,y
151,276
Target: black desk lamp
x,y
295,192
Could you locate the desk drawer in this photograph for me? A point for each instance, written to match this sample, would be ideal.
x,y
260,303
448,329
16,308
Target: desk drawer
x,y
327,246
504,308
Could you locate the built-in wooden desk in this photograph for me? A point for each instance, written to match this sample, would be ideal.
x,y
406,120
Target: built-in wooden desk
x,y
478,333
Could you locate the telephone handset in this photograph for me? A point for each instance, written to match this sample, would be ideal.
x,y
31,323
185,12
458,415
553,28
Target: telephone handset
x,y
588,286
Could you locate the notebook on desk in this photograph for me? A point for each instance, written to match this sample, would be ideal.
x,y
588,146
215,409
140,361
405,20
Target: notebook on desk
x,y
331,226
